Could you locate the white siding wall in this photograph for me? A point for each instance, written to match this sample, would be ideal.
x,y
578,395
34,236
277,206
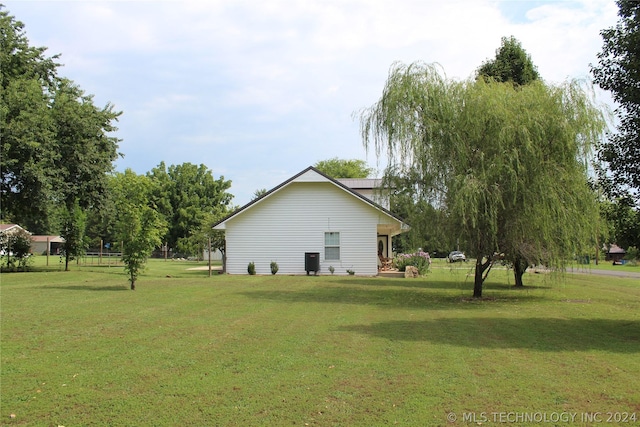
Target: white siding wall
x,y
292,221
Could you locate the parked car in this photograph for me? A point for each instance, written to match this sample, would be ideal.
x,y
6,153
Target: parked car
x,y
456,256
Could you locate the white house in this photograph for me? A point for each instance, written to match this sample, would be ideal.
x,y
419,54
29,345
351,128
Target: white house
x,y
306,216
38,243
10,228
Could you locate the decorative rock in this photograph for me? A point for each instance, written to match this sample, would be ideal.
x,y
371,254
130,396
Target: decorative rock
x,y
411,271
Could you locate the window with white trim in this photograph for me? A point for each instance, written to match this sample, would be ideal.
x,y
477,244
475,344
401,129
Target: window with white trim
x,y
332,245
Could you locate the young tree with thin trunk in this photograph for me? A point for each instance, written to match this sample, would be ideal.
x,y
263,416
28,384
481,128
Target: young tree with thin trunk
x,y
507,164
138,226
74,224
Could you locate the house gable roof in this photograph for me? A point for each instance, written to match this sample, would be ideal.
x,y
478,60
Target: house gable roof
x,y
9,227
309,174
615,249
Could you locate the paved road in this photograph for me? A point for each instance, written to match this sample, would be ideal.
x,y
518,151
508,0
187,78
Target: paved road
x,y
614,273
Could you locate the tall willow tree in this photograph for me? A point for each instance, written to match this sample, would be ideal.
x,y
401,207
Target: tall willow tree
x,y
507,164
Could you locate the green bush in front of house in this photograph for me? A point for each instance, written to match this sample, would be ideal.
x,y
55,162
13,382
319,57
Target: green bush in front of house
x,y
419,259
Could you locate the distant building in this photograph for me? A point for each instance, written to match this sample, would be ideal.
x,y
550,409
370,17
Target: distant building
x,y
10,228
615,253
39,244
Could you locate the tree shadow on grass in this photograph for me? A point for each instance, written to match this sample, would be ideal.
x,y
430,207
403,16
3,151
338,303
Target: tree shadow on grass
x,y
434,284
539,334
87,288
390,297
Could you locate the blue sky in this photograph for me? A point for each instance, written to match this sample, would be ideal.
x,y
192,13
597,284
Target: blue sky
x,y
258,90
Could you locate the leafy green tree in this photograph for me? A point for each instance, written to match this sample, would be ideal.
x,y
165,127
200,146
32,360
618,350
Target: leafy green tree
x,y
138,225
27,161
207,232
82,140
624,220
428,226
618,71
74,223
100,222
185,194
83,144
511,64
503,162
341,168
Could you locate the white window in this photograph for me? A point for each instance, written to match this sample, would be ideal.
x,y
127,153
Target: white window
x,y
332,245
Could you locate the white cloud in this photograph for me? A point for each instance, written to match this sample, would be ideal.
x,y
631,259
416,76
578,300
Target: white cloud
x,y
262,89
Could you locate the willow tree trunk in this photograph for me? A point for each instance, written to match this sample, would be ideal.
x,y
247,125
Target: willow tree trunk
x,y
482,271
519,267
477,283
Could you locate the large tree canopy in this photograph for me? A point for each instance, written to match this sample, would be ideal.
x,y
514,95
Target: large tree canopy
x,y
188,196
618,71
56,147
506,164
26,128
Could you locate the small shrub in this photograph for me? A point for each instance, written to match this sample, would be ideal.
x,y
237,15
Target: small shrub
x,y
15,246
274,267
351,272
251,268
421,260
331,269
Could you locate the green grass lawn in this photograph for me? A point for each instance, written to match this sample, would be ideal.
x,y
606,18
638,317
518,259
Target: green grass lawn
x,y
608,265
78,348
